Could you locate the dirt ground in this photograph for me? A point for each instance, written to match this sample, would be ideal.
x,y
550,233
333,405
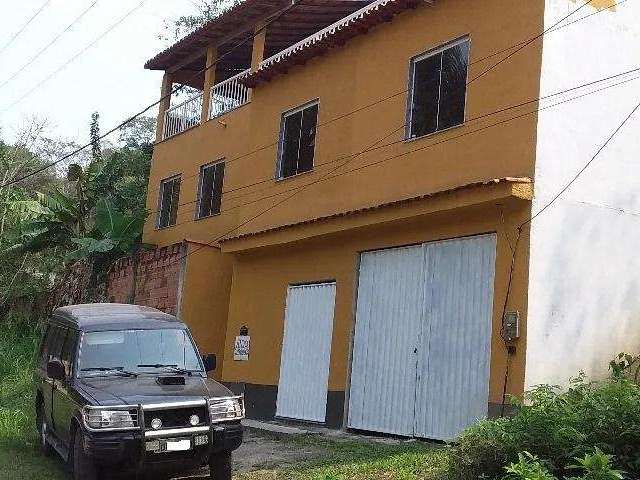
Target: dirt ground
x,y
263,451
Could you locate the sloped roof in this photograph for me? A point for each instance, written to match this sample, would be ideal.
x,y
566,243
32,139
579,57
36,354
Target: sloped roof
x,y
336,34
236,24
484,183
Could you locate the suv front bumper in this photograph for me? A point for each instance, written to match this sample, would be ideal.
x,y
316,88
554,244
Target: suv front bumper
x,y
128,449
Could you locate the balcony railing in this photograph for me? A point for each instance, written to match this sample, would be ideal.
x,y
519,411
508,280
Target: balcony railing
x,y
228,95
183,116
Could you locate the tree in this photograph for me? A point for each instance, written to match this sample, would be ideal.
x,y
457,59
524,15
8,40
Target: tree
x,y
205,10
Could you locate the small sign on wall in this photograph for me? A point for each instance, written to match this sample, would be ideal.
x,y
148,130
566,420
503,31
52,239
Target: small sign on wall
x,y
241,348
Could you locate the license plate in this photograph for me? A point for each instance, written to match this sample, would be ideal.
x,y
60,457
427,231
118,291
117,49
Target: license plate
x,y
177,445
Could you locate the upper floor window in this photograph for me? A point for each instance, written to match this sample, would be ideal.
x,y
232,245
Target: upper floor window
x,y
438,89
210,189
297,140
169,198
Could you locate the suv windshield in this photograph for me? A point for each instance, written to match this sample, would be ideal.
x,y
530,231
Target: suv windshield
x,y
139,351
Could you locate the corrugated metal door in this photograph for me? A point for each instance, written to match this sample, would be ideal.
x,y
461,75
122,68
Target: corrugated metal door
x,y
389,311
306,352
422,338
453,361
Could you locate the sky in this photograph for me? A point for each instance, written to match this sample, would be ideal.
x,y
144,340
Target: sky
x,y
109,77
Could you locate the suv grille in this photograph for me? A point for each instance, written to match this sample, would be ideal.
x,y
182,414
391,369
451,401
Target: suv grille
x,y
176,417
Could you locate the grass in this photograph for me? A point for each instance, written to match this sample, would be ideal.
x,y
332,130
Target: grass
x,y
19,456
337,460
360,460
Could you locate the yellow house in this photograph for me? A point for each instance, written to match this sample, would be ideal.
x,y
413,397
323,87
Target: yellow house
x,y
353,182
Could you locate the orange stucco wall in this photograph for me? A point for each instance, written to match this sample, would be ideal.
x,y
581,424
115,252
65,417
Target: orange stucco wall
x,y
261,278
359,74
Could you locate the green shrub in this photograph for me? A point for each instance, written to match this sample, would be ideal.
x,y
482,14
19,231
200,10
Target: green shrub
x,y
594,466
528,467
557,427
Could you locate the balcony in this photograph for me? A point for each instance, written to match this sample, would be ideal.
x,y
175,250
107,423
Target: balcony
x,y
182,117
223,97
228,95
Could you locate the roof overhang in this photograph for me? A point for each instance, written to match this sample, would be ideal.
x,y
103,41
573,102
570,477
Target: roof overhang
x,y
336,34
499,190
232,31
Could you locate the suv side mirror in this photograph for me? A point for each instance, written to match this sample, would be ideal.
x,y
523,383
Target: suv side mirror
x,y
209,362
55,370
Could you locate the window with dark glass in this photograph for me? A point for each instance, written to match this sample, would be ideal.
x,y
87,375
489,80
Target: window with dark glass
x,y
210,189
298,140
68,348
169,198
438,89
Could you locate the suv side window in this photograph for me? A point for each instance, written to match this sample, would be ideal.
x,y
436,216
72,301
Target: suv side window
x,y
68,348
53,343
44,346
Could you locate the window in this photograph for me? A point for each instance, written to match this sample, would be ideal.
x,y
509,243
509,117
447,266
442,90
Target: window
x,y
298,140
438,89
141,351
52,344
210,189
68,349
169,197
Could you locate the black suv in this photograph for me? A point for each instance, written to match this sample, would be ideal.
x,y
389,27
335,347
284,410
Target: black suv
x,y
122,388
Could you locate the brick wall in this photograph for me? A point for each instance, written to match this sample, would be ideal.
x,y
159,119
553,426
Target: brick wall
x,y
157,279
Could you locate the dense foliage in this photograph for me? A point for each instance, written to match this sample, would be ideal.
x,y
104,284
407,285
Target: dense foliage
x,y
555,427
93,209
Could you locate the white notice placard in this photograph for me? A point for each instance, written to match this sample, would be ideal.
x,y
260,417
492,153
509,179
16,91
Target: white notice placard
x,y
241,348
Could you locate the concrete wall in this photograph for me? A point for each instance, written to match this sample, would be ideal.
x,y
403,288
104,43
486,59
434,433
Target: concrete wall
x,y
584,288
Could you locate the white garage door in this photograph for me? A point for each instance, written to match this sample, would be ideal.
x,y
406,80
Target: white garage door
x,y
422,338
306,352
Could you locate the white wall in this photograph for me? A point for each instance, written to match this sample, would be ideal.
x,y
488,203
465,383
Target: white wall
x,y
584,292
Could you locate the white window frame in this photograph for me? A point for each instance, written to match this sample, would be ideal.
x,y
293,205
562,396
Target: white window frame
x,y
201,184
284,116
412,71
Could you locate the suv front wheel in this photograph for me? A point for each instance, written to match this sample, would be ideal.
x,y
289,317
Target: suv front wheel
x,y
220,466
83,467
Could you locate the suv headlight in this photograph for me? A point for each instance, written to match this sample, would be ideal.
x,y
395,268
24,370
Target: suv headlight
x,y
99,418
226,409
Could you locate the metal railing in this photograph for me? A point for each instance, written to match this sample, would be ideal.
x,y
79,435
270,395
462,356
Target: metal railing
x,y
183,116
228,95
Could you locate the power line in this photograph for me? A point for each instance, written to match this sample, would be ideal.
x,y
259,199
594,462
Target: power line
x,y
584,168
404,125
555,27
468,122
21,29
430,145
161,99
526,43
72,59
46,47
530,41
550,29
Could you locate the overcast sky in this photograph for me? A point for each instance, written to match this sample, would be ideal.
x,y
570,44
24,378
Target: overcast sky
x,y
109,77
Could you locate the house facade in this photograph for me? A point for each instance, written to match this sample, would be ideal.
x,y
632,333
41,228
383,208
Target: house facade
x,y
353,186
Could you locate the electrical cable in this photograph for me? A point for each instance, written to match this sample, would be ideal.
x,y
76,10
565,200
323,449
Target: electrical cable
x,y
21,29
468,122
46,47
65,65
148,107
550,29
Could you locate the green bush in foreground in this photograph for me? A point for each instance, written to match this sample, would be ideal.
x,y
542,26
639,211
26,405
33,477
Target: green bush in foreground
x,y
557,427
595,466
